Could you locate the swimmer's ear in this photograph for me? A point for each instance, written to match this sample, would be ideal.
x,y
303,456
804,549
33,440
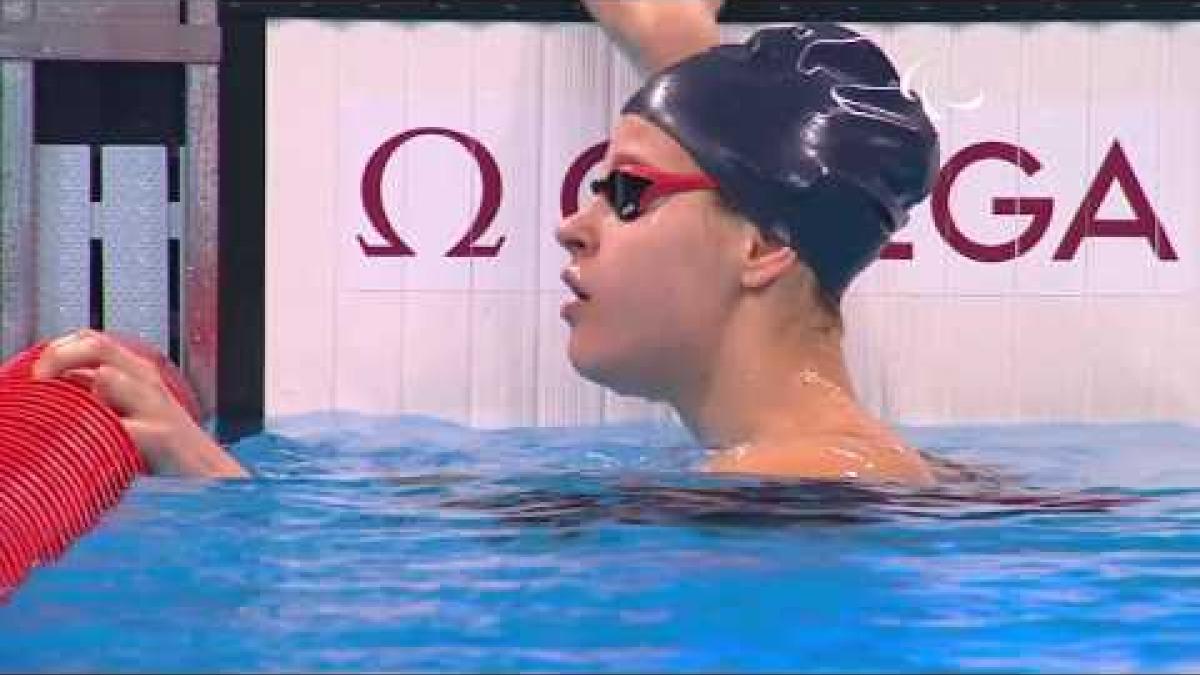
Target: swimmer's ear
x,y
765,259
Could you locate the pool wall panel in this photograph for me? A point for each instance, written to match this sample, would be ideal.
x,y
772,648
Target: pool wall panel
x,y
132,223
64,236
1079,326
301,298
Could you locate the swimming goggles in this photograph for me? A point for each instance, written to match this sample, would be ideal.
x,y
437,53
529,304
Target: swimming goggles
x,y
631,190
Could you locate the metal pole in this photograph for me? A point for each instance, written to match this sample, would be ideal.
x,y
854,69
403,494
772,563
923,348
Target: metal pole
x,y
18,242
200,243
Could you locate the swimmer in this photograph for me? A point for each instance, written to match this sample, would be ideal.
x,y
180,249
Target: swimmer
x,y
745,186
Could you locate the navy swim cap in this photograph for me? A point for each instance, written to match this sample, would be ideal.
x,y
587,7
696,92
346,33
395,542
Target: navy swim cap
x,y
808,134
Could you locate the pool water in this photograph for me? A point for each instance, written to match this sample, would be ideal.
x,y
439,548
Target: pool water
x,y
413,544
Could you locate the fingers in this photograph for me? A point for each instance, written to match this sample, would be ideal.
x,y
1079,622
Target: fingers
x,y
124,394
89,349
84,377
128,380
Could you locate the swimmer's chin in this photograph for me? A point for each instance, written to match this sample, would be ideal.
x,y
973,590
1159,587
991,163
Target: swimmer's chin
x,y
616,379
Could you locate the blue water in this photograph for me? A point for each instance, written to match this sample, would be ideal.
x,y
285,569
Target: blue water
x,y
411,544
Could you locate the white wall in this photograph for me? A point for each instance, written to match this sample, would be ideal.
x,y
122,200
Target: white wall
x,y
1108,335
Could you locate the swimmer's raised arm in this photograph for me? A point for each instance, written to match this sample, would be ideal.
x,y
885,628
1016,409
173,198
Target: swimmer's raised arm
x,y
657,33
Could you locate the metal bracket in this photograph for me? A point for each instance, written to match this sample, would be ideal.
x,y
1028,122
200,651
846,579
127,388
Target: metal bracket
x,y
110,41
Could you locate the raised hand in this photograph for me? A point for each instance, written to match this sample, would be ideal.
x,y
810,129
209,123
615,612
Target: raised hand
x,y
657,33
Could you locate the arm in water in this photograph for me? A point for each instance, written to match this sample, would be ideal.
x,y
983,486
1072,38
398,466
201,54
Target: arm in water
x,y
133,387
654,34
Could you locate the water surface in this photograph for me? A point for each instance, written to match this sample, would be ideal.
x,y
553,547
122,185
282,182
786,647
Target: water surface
x,y
413,544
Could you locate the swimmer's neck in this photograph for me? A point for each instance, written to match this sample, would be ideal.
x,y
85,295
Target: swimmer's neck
x,y
802,422
786,408
779,391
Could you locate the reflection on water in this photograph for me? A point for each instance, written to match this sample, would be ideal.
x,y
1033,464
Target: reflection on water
x,y
770,504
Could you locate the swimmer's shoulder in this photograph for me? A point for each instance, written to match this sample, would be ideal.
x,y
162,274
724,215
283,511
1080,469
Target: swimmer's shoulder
x,y
835,457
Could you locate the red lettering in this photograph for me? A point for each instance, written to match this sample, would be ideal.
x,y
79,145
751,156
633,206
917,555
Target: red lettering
x,y
1040,208
897,250
1145,223
371,190
569,197
372,198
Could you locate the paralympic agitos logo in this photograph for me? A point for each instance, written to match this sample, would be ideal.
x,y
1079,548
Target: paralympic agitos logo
x,y
1115,173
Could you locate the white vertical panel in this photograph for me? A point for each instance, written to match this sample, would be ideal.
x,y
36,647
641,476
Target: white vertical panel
x,y
431,190
372,88
303,131
1051,352
1179,207
508,58
441,194
984,58
1125,86
132,217
1178,200
979,332
576,102
1054,380
368,335
1055,68
1122,385
436,354
503,359
370,369
64,232
504,311
977,343
1180,361
437,180
909,342
397,78
1125,384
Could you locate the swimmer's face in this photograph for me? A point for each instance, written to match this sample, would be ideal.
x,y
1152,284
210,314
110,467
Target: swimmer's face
x,y
653,292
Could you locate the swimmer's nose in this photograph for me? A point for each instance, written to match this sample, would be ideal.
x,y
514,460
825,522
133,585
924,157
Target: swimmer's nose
x,y
576,235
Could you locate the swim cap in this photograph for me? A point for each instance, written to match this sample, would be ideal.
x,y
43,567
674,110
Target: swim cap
x,y
808,134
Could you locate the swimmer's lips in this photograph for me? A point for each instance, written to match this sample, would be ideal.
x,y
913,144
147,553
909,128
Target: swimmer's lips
x,y
581,295
572,282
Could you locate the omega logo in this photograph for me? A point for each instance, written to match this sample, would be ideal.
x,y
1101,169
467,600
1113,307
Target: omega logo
x,y
1114,171
372,198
